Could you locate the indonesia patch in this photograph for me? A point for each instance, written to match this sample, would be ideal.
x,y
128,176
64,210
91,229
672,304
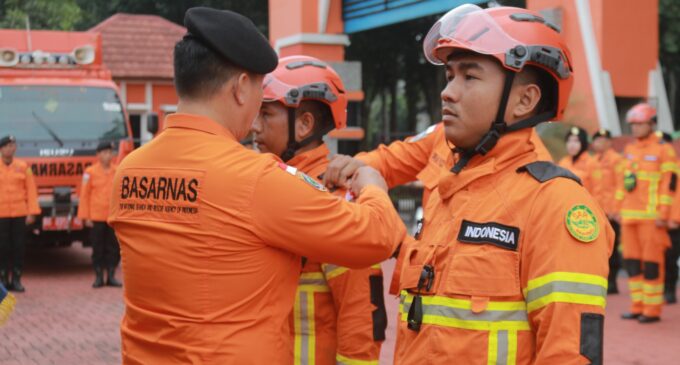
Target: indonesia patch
x,y
302,176
582,224
490,232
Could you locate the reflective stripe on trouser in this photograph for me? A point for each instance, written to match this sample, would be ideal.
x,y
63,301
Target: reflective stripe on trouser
x,y
646,243
502,320
635,286
331,271
303,317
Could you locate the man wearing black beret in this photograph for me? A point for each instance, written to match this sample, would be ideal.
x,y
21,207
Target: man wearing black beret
x,y
212,234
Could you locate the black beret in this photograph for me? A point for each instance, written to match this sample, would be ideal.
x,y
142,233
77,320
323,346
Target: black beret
x,y
602,133
4,141
104,146
233,36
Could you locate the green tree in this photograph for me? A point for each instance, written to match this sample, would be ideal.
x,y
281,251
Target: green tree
x,y
43,14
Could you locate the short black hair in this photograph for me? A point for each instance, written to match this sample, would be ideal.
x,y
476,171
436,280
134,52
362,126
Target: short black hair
x,y
199,71
323,118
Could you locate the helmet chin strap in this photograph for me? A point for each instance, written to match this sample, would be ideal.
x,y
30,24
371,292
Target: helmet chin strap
x,y
498,128
293,146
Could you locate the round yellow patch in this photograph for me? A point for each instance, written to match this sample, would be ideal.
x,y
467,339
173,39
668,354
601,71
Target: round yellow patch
x,y
582,224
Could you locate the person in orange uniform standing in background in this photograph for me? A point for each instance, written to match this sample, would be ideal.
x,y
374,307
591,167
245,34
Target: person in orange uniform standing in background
x,y
578,160
211,233
643,196
18,207
339,314
95,195
609,169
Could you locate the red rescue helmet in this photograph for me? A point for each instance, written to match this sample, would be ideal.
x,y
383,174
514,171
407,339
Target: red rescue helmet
x,y
641,113
516,37
299,78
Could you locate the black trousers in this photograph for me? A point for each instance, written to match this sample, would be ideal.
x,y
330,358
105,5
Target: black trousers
x,y
12,243
105,249
615,258
672,255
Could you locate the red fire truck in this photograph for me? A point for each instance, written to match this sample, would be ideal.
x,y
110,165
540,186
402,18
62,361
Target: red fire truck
x,y
59,101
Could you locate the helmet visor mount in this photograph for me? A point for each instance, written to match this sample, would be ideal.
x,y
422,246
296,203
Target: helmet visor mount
x,y
291,96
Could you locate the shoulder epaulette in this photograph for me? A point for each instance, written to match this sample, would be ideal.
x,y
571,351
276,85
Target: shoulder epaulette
x,y
543,171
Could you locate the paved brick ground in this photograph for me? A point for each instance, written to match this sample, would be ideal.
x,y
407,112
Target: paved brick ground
x,y
62,320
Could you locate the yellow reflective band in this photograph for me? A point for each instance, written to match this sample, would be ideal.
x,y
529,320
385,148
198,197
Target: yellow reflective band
x,y
648,175
376,266
665,200
652,289
312,288
456,313
331,271
619,195
637,297
342,360
656,299
668,167
637,214
312,329
574,277
512,348
634,285
492,348
312,275
573,298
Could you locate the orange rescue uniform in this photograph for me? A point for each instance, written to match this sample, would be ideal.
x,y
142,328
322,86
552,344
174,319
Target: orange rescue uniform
x,y
643,196
511,266
585,168
608,171
424,157
18,193
339,314
211,236
95,192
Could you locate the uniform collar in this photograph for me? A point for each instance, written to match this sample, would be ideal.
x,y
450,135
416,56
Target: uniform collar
x,y
650,139
513,150
310,160
197,122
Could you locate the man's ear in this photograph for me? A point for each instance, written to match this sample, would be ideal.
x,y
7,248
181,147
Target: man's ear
x,y
304,126
242,87
526,100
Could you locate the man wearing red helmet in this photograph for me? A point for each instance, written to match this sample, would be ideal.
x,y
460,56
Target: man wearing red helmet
x,y
511,263
644,200
339,314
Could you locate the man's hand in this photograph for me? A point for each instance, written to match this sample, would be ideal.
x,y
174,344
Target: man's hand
x,y
339,171
365,176
660,223
30,219
673,224
616,217
89,223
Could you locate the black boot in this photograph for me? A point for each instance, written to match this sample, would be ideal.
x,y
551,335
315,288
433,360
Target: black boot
x,y
16,282
111,278
99,278
4,279
612,288
646,319
631,315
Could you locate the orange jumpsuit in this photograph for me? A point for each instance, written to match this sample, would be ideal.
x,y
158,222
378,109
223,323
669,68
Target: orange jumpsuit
x,y
651,162
423,157
18,193
585,168
608,171
339,314
95,192
509,269
211,237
